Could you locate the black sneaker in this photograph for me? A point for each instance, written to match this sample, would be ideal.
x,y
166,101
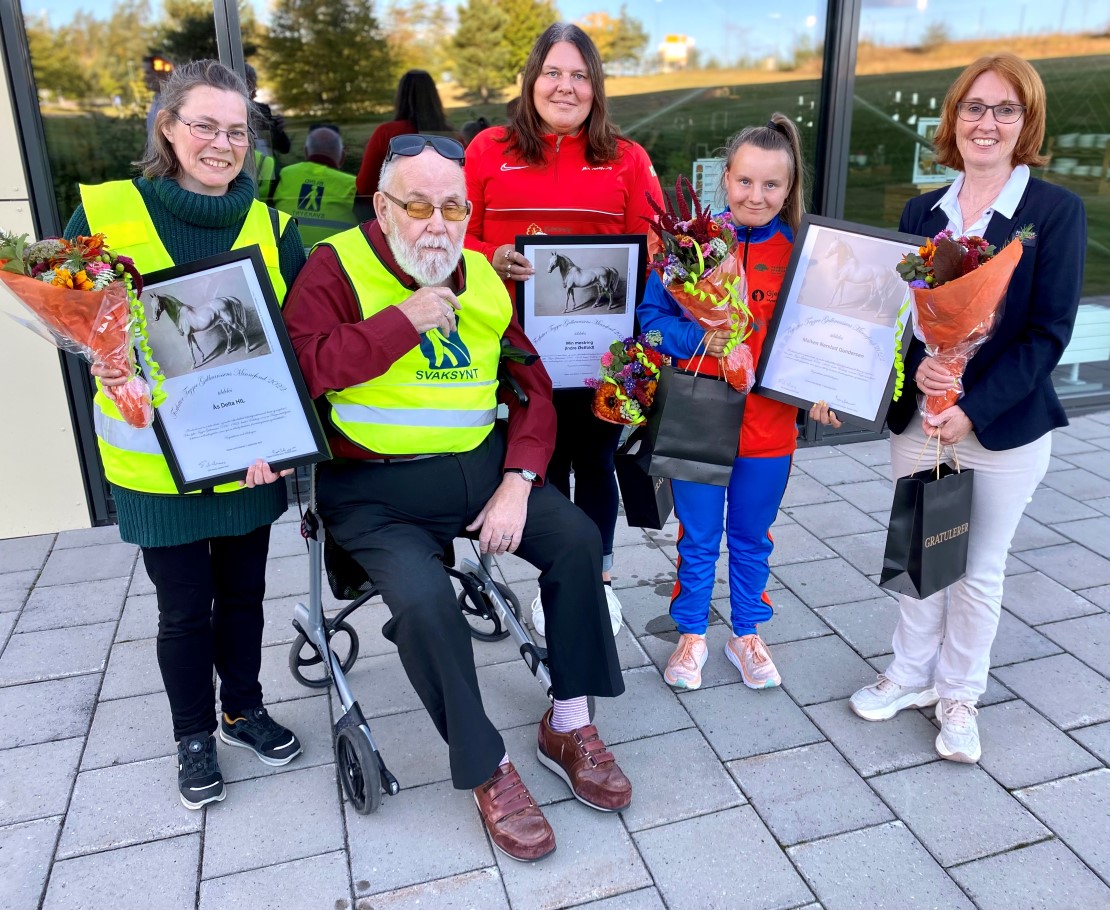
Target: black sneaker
x,y
198,773
256,730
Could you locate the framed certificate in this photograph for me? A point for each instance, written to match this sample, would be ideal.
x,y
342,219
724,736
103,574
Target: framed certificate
x,y
234,392
582,298
841,310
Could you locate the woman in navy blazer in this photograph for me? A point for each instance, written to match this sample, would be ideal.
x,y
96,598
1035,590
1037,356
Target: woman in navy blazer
x,y
991,130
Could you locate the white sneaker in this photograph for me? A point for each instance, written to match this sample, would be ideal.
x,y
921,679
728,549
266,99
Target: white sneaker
x,y
538,622
885,698
958,739
615,615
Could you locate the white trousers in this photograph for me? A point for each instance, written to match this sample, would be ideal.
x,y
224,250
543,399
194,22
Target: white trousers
x,y
946,639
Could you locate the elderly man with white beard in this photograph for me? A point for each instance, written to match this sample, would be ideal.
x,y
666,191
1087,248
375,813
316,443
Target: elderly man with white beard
x,y
399,333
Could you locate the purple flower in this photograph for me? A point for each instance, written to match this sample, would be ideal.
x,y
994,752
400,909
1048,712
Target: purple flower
x,y
918,283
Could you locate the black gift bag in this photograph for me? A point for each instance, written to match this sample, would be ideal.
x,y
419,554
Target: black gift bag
x,y
694,427
926,540
647,500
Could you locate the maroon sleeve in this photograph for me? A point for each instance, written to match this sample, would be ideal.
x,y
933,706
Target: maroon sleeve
x,y
531,426
366,184
335,346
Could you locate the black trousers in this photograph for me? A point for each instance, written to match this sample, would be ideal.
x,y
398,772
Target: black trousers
x,y
210,616
396,520
586,445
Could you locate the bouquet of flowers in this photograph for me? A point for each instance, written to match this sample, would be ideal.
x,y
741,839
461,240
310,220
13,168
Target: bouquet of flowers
x,y
695,255
84,299
629,375
958,284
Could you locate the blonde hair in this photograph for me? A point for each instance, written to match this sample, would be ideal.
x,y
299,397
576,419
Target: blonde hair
x,y
1021,75
779,134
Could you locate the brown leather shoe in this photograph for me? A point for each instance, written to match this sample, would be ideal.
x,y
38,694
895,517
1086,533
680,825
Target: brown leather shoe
x,y
514,821
589,769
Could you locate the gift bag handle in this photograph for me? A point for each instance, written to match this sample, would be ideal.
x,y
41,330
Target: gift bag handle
x,y
705,341
955,456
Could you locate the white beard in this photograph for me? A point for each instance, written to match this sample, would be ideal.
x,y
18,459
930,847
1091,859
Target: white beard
x,y
425,260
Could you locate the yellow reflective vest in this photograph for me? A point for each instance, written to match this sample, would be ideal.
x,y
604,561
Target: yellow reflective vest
x,y
264,167
441,396
132,457
321,198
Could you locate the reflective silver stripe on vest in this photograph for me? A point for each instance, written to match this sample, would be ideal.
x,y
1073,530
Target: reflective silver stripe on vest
x,y
413,417
121,435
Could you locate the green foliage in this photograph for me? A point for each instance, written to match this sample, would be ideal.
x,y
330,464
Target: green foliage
x,y
482,59
188,30
419,35
329,57
621,41
90,148
527,21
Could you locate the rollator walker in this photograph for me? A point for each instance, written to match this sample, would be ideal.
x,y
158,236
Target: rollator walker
x,y
491,608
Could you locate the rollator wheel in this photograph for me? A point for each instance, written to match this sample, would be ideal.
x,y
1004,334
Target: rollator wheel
x,y
303,655
483,616
358,769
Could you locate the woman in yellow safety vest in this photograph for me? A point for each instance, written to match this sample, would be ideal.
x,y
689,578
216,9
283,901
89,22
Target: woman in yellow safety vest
x,y
205,552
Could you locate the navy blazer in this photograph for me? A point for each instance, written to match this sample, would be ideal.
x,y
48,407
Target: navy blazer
x,y
1008,393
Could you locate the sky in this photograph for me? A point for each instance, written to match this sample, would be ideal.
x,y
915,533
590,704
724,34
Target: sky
x,y
744,28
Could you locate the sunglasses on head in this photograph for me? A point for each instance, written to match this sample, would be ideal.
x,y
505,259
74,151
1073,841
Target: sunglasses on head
x,y
413,144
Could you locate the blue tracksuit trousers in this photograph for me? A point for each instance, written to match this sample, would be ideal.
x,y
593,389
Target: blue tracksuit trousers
x,y
753,496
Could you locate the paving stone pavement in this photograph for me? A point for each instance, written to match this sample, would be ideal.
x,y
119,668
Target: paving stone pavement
x,y
775,800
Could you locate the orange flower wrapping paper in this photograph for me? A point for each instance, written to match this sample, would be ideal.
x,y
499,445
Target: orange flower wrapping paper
x,y
956,318
95,324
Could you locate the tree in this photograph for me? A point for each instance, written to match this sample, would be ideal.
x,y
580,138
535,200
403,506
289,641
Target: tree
x,y
527,20
418,33
329,56
482,58
620,41
58,71
188,30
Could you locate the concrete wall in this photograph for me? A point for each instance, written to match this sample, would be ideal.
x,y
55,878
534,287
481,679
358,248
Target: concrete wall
x,y
42,488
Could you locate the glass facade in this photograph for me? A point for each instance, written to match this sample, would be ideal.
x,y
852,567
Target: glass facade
x,y
679,84
908,56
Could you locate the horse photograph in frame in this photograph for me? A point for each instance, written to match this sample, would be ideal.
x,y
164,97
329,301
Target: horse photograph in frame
x,y
842,312
581,298
227,386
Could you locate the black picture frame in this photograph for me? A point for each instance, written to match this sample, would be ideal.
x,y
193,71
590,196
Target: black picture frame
x,y
572,324
832,345
255,379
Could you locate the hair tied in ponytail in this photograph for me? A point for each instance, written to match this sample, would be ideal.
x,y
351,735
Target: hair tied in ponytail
x,y
778,128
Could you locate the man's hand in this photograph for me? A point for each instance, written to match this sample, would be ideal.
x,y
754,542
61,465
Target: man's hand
x,y
952,424
431,308
502,519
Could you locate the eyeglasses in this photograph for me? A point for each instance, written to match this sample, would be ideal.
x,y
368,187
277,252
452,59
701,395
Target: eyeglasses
x,y
973,111
422,211
208,133
412,144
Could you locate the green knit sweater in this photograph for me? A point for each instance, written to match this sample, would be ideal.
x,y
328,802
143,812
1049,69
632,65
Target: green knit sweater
x,y
193,226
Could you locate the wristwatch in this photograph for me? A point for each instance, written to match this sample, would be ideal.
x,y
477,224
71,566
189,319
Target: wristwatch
x,y
530,476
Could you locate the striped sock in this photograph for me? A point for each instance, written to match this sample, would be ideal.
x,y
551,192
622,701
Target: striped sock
x,y
570,714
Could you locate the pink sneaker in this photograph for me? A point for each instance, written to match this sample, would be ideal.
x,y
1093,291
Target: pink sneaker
x,y
684,667
750,656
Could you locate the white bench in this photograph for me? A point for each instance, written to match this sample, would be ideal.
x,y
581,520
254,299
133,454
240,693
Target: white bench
x,y
1090,339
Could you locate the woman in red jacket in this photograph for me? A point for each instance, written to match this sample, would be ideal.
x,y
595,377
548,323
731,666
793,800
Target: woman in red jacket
x,y
562,167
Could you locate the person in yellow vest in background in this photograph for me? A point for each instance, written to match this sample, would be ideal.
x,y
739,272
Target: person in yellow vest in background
x,y
398,331
315,192
205,552
264,169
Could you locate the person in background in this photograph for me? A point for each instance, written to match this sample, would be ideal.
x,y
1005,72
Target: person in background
x,y
417,109
314,191
270,138
991,129
562,167
472,128
763,180
376,318
205,552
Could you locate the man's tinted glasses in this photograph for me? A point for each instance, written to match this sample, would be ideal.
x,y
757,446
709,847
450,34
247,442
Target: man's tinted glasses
x,y
422,211
413,144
